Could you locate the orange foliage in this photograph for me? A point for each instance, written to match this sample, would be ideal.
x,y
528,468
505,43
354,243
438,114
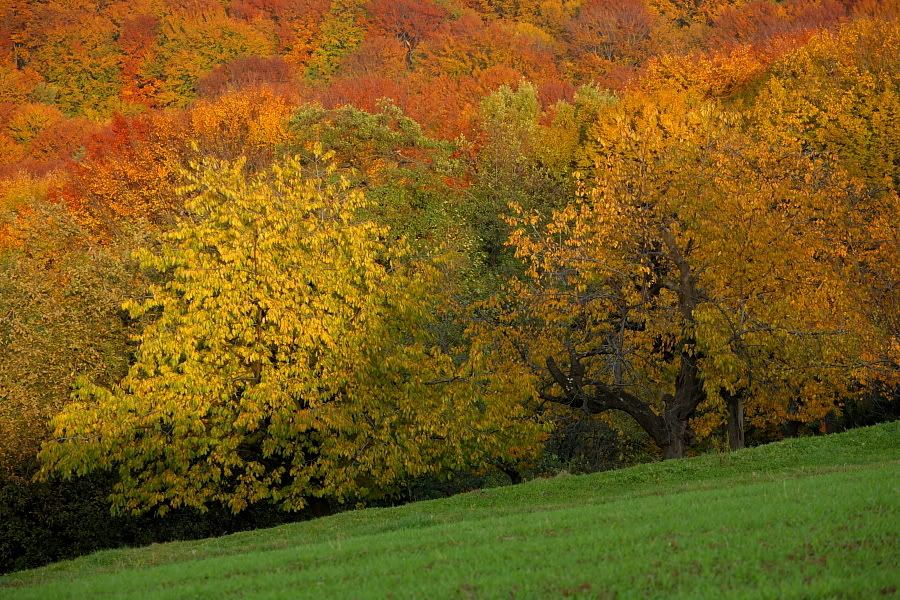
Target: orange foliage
x,y
716,75
128,172
409,21
137,41
250,124
617,29
131,168
759,22
252,71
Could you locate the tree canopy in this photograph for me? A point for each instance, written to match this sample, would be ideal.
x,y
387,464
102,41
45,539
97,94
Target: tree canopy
x,y
697,270
285,357
362,244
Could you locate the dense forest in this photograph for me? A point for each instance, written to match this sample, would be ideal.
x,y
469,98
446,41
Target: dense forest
x,y
293,255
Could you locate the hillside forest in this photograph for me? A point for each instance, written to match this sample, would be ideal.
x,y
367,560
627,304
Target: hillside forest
x,y
296,255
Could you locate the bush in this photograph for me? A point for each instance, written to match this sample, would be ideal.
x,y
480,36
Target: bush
x,y
42,523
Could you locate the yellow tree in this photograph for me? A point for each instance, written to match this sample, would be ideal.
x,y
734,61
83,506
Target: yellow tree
x,y
339,34
190,45
837,96
76,54
697,271
286,357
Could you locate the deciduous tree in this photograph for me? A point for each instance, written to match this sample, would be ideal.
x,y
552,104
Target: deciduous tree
x,y
192,44
285,358
612,29
410,21
697,271
60,315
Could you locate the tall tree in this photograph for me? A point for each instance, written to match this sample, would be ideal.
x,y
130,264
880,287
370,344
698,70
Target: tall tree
x,y
191,44
611,29
410,21
837,96
78,58
60,315
286,358
339,34
697,271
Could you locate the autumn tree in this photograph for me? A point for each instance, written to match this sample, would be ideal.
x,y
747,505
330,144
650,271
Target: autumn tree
x,y
251,124
719,75
128,173
410,21
837,97
284,359
79,59
470,58
526,157
759,23
611,29
137,41
373,72
696,273
377,56
16,85
60,315
248,72
506,9
407,174
28,120
131,168
192,44
339,34
298,27
469,46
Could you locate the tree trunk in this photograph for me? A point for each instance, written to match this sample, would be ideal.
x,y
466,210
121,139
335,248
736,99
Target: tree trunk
x,y
735,420
510,471
668,430
674,449
675,428
409,54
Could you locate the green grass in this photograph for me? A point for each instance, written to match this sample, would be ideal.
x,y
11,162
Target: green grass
x,y
806,518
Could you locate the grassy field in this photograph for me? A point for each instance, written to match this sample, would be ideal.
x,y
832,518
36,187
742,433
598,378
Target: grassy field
x,y
807,518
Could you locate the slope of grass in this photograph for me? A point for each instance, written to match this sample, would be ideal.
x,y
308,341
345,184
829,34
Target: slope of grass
x,y
803,518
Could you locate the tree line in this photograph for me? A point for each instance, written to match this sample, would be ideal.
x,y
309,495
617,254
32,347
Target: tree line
x,y
268,253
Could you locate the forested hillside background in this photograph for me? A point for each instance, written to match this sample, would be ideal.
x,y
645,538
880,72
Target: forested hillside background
x,y
277,257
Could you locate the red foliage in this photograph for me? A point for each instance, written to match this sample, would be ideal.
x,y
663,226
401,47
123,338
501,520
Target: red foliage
x,y
14,16
255,9
613,29
410,21
551,91
363,92
138,34
376,56
885,9
447,107
438,104
252,71
293,19
617,77
760,22
127,172
6,112
119,139
277,10
62,140
137,39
